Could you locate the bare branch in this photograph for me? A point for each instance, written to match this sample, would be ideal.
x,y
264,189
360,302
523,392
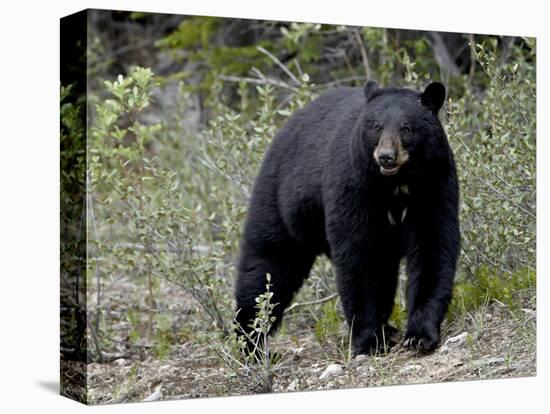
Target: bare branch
x,y
364,56
262,81
278,63
313,302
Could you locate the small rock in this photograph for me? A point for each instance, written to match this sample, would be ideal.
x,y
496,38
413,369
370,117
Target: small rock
x,y
530,312
331,371
156,395
410,368
457,340
293,386
120,362
165,368
297,350
360,358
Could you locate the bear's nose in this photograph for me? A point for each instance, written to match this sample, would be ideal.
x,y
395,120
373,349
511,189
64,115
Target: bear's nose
x,y
386,158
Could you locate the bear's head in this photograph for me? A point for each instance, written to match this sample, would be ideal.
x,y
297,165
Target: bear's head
x,y
402,128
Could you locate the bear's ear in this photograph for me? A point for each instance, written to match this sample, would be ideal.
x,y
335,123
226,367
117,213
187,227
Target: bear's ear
x,y
369,88
433,96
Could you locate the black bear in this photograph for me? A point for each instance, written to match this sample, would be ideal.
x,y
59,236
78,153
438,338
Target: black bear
x,y
367,177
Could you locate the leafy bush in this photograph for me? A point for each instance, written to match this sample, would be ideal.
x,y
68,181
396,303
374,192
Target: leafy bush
x,y
73,233
493,136
247,354
489,285
139,221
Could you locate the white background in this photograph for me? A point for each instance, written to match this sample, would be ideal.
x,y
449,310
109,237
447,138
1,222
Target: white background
x,y
29,206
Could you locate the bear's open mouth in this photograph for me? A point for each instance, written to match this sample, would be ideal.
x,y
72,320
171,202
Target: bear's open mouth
x,y
389,171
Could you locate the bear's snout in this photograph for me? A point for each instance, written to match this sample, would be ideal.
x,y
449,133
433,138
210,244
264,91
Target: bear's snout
x,y
390,155
387,158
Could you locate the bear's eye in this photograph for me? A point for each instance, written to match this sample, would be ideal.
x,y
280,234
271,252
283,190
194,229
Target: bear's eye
x,y
405,129
374,125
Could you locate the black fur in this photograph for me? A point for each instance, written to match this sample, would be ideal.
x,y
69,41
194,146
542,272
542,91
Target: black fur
x,y
320,190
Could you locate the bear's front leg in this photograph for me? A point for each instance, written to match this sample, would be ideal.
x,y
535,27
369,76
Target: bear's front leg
x,y
365,251
428,296
433,248
367,290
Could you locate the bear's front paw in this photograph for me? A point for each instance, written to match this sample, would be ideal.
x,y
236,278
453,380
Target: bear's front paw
x,y
425,341
369,342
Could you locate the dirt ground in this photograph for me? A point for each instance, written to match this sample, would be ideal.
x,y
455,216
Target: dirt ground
x,y
491,343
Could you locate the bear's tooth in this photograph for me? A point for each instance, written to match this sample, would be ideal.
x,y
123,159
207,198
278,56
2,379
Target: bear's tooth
x,y
390,218
403,214
405,189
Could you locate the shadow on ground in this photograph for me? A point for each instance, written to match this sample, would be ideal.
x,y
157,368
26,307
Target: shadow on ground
x,y
51,386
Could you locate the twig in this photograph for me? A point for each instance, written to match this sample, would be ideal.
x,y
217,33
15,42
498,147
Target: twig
x,y
507,198
278,63
480,162
486,258
90,212
129,344
340,81
473,60
96,342
507,44
262,81
132,390
348,63
299,68
157,309
442,54
364,55
313,302
129,48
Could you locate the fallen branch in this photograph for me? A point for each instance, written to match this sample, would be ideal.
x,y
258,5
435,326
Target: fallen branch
x,y
313,302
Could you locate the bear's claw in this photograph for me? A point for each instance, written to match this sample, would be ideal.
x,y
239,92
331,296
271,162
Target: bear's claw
x,y
423,344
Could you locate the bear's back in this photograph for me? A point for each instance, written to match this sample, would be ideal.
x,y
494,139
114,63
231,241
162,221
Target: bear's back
x,y
307,132
291,178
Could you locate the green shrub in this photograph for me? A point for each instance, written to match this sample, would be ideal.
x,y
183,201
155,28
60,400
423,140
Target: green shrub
x,y
248,355
329,323
489,285
140,224
493,137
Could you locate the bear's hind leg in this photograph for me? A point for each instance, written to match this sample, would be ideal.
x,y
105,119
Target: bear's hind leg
x,y
288,267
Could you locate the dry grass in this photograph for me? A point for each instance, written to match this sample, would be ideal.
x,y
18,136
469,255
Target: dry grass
x,y
498,343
